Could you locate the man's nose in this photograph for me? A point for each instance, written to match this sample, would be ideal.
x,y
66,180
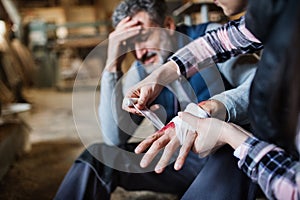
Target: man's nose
x,y
140,51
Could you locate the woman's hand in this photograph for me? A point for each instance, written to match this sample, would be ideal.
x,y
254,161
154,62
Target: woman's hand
x,y
212,133
204,136
148,89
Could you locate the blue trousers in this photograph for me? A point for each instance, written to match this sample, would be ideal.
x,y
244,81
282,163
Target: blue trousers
x,y
214,177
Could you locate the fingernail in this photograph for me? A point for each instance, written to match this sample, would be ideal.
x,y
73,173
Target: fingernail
x,y
143,163
177,166
137,150
141,102
158,169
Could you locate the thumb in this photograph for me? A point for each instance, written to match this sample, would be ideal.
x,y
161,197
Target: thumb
x,y
143,99
189,118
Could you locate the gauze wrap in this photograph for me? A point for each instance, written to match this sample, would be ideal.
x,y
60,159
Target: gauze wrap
x,y
182,127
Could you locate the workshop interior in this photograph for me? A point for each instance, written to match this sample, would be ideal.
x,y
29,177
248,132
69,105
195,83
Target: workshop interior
x,y
43,49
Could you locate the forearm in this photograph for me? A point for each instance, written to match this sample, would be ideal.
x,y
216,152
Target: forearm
x,y
116,124
109,126
239,72
216,46
274,170
236,102
165,74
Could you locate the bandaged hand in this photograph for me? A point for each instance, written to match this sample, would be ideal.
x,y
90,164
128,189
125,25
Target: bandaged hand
x,y
183,128
176,133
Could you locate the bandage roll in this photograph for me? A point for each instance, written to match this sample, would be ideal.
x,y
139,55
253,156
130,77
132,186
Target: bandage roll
x,y
129,101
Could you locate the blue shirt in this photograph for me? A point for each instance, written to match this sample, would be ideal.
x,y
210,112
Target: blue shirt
x,y
167,98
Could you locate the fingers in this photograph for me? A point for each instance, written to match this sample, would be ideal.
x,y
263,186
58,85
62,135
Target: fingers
x,y
123,21
156,146
144,96
147,142
167,155
127,22
185,149
129,104
125,33
127,28
133,93
164,137
143,92
149,90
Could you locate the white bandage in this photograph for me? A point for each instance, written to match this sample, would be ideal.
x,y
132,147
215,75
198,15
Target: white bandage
x,y
182,128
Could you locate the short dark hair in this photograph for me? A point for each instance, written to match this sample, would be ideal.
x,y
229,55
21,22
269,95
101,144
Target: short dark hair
x,y
157,10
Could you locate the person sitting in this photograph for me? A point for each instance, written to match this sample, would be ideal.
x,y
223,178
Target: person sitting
x,y
103,167
275,169
270,121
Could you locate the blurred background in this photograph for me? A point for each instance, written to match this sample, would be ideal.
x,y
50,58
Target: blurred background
x,y
43,44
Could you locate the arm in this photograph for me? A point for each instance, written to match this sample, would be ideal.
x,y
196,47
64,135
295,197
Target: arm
x,y
232,105
275,171
215,46
239,72
117,125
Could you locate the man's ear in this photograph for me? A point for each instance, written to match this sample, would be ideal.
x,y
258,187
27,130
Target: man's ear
x,y
169,23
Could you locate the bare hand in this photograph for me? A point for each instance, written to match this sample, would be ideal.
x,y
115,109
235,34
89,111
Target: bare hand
x,y
117,49
165,138
145,91
148,89
214,108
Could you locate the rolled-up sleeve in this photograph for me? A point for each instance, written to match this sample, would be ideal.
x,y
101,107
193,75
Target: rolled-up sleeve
x,y
271,167
216,46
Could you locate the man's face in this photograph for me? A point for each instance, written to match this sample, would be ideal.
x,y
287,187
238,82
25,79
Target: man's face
x,y
151,44
232,7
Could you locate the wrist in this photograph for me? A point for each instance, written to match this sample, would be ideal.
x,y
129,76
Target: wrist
x,y
113,66
233,136
166,74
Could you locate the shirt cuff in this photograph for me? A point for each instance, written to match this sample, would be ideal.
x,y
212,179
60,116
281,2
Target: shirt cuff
x,y
242,151
114,75
180,66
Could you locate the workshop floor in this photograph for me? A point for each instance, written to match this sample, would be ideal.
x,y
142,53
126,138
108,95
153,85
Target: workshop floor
x,y
55,144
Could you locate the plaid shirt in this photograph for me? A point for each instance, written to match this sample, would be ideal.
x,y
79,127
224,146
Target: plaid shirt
x,y
275,171
271,167
216,46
